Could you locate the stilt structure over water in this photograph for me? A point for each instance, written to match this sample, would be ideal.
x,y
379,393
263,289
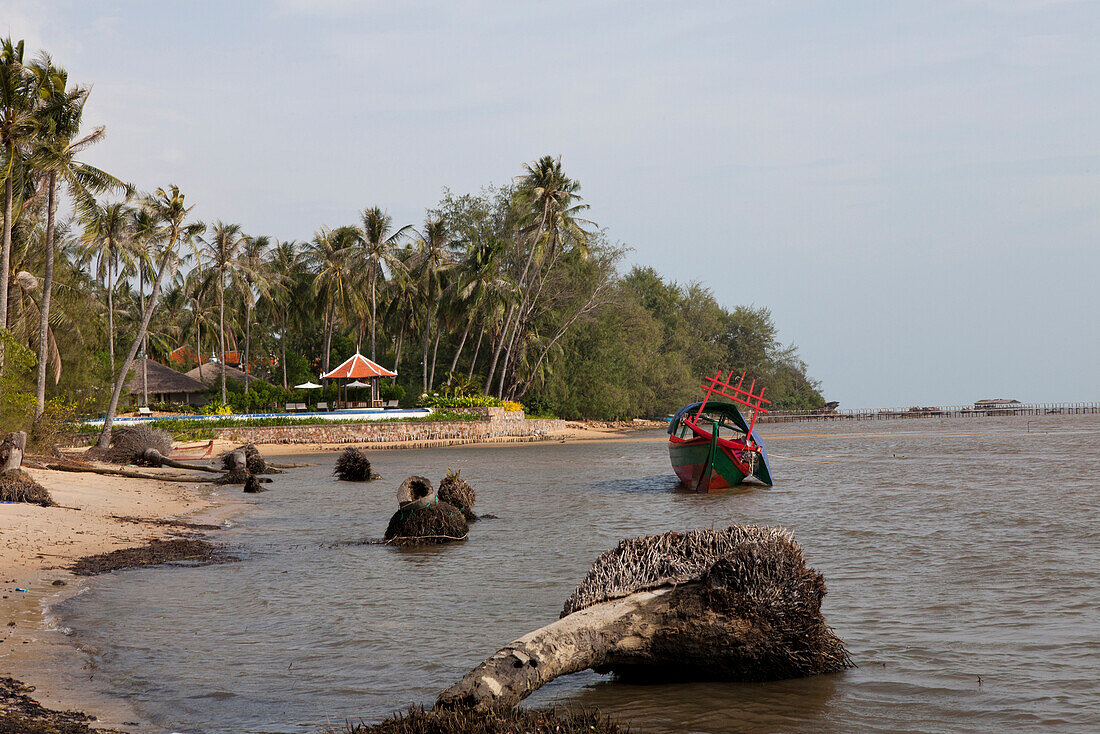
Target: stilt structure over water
x,y
947,411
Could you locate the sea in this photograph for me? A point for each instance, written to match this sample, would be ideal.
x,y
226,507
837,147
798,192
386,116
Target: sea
x,y
961,557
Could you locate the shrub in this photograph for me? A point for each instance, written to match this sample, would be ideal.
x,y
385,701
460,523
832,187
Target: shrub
x,y
436,400
512,405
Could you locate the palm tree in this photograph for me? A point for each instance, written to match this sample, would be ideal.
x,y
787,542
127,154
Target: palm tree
x,y
378,250
170,209
105,233
284,268
222,252
480,288
329,255
253,280
18,124
431,264
548,202
55,155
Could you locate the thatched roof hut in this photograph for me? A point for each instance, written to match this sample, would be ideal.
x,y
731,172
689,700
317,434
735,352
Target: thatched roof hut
x,y
211,374
164,384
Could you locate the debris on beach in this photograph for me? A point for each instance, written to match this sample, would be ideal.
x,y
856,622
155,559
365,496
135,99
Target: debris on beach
x,y
255,463
17,485
424,519
493,721
19,713
352,465
192,551
130,444
736,604
458,492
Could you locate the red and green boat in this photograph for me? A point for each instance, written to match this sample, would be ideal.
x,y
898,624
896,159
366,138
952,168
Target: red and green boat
x,y
711,445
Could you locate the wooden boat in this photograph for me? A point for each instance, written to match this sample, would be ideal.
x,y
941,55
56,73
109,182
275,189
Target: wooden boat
x,y
195,451
710,444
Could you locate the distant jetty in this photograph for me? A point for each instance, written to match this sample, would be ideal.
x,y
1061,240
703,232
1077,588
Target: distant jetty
x,y
980,409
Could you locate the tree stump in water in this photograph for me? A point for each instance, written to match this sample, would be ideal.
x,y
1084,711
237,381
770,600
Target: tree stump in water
x,y
458,492
738,604
423,519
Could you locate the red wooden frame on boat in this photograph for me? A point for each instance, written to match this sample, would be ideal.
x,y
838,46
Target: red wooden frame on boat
x,y
715,385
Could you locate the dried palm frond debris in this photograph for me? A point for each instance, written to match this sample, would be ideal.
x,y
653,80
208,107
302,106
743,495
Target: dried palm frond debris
x,y
19,486
496,721
423,519
352,465
129,444
458,492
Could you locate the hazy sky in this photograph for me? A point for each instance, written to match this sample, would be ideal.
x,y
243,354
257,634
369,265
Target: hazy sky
x,y
913,188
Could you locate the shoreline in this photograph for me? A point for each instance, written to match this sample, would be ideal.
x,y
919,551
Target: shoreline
x,y
96,514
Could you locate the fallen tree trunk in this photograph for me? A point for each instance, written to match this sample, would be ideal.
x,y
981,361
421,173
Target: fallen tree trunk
x,y
591,638
736,604
130,473
153,457
237,464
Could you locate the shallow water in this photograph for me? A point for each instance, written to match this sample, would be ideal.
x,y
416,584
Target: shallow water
x,y
962,558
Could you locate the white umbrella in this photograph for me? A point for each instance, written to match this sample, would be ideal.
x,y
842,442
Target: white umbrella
x,y
357,383
308,386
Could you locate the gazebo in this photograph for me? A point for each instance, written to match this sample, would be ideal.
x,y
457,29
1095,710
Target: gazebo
x,y
358,367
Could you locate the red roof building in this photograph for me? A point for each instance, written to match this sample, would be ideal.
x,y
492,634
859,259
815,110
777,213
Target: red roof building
x,y
357,367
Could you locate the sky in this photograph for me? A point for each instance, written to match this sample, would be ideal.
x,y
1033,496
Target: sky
x,y
912,188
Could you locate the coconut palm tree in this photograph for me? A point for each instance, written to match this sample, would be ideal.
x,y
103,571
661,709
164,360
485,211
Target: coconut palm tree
x,y
222,252
379,243
284,269
169,207
431,263
18,125
105,236
55,149
252,266
330,255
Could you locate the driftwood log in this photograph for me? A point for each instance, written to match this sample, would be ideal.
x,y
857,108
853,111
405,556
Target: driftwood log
x,y
130,473
738,604
154,458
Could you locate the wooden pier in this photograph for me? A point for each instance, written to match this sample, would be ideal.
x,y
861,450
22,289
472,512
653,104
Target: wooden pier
x,y
947,411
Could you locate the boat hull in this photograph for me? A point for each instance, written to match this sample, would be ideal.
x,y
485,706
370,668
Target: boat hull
x,y
692,461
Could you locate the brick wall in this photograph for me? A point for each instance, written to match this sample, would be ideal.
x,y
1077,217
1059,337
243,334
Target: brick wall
x,y
391,432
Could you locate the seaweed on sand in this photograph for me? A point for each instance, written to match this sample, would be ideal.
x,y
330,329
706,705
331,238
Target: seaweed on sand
x,y
352,465
193,551
21,714
494,721
457,491
19,486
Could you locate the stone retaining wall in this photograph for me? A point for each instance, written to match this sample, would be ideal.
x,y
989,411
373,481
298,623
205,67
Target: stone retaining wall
x,y
467,431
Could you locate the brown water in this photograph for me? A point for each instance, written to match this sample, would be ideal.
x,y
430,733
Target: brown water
x,y
962,558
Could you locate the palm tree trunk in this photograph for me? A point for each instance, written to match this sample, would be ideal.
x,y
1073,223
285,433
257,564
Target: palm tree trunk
x,y
329,319
400,339
247,341
462,343
47,288
112,407
221,328
496,351
111,311
373,311
283,340
435,353
144,342
424,359
198,346
477,351
5,253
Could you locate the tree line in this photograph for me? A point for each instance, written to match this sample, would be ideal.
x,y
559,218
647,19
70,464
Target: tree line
x,y
511,292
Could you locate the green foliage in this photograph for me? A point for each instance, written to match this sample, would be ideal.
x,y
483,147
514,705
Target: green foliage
x,y
208,424
391,391
438,400
16,383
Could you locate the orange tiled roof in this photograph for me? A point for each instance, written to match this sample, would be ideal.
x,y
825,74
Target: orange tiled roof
x,y
357,367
